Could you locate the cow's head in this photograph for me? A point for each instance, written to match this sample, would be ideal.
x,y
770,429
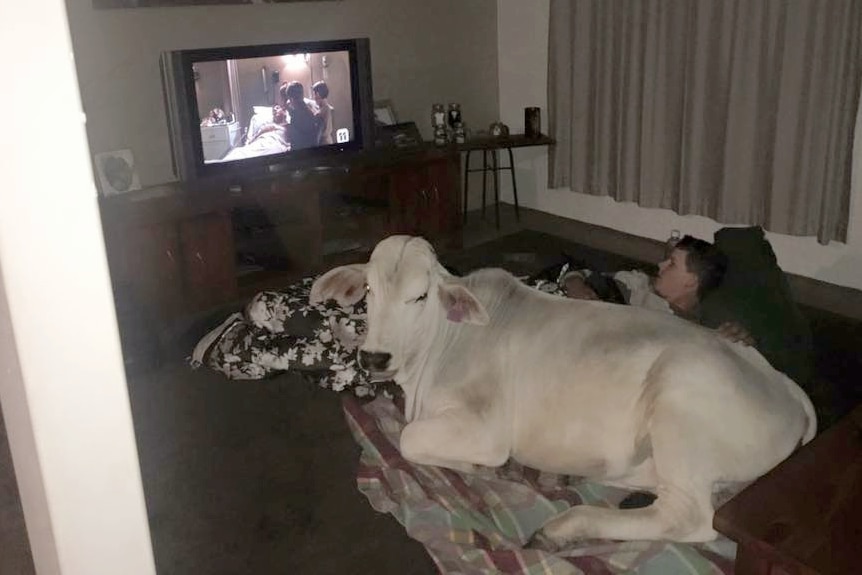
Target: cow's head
x,y
408,294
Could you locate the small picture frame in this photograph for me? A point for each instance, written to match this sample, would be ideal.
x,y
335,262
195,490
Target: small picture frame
x,y
384,113
117,173
403,135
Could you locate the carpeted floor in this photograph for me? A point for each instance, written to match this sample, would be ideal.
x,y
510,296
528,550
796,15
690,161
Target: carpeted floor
x,y
14,548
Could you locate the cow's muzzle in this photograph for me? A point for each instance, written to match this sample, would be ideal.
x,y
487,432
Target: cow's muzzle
x,y
374,361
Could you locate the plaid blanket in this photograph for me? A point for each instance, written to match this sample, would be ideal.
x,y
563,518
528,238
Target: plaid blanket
x,y
479,523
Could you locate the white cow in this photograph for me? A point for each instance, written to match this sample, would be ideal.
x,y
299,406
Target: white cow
x,y
493,369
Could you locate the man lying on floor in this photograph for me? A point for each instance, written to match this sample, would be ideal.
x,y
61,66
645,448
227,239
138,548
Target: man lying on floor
x,y
734,286
692,269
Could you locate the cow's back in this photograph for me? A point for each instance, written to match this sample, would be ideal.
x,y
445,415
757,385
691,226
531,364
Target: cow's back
x,y
582,369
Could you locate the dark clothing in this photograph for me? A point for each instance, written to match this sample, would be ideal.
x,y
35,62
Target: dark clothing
x,y
755,293
303,129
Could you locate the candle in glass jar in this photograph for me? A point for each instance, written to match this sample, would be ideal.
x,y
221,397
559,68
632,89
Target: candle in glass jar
x,y
454,114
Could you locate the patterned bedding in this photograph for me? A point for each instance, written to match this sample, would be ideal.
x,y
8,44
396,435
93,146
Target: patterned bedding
x,y
478,523
280,331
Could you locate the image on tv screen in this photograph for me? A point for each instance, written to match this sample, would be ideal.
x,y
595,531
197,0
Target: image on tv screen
x,y
255,107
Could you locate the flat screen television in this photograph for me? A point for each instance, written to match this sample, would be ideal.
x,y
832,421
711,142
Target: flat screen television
x,y
248,111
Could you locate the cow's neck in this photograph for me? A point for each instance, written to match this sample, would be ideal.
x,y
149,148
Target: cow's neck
x,y
414,384
418,375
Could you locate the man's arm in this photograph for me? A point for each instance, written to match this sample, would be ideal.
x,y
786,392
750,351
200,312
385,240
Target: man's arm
x,y
735,332
576,288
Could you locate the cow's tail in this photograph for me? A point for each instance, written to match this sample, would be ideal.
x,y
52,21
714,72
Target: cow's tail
x,y
807,407
812,417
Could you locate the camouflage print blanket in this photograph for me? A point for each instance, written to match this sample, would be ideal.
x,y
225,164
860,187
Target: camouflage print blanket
x,y
480,523
280,331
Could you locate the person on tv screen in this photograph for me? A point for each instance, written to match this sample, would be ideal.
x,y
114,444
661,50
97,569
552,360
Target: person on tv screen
x,y
303,126
320,91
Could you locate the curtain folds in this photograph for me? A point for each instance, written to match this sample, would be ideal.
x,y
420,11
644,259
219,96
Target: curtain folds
x,y
739,110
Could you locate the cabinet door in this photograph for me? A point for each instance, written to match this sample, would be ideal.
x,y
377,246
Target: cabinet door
x,y
442,218
408,203
425,200
146,269
209,260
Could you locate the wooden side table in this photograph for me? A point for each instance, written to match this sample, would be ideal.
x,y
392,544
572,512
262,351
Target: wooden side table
x,y
805,516
490,146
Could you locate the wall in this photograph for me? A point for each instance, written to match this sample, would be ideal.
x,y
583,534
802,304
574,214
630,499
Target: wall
x,y
523,61
62,384
421,52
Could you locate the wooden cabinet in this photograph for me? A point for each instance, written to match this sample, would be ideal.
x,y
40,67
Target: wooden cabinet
x,y
209,263
145,267
175,253
291,208
164,270
425,201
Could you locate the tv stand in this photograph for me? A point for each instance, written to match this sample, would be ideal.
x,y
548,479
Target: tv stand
x,y
176,252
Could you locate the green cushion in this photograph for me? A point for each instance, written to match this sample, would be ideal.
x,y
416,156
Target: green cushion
x,y
756,294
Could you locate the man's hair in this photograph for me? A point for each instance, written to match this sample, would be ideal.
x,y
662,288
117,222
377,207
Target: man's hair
x,y
321,89
292,91
705,261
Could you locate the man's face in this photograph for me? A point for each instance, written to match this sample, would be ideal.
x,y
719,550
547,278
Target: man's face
x,y
674,280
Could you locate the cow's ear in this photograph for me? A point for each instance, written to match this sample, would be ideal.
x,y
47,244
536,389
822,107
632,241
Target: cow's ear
x,y
344,284
461,306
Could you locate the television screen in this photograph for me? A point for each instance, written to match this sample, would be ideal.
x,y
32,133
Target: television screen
x,y
239,109
253,107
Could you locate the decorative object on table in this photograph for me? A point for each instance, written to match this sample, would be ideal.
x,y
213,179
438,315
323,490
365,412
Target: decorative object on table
x,y
671,242
532,122
441,137
499,130
403,135
438,117
117,172
454,115
459,133
217,116
384,113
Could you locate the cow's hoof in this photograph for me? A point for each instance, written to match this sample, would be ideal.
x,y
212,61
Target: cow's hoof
x,y
638,500
542,542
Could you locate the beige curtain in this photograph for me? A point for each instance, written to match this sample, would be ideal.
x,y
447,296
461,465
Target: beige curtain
x,y
739,110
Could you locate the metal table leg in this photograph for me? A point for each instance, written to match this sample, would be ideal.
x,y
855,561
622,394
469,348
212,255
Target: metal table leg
x,y
514,184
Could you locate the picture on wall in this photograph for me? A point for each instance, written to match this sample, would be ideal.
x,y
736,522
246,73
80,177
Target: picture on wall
x,y
116,171
384,113
169,3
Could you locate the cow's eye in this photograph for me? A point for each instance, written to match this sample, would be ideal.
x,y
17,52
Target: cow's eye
x,y
421,298
367,289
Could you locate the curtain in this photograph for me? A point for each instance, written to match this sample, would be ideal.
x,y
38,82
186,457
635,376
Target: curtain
x,y
739,110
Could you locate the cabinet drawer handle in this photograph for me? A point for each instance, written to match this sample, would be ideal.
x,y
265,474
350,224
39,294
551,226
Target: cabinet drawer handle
x,y
199,257
170,254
